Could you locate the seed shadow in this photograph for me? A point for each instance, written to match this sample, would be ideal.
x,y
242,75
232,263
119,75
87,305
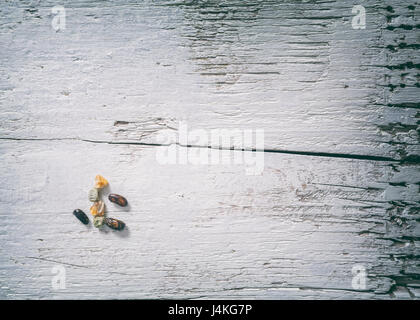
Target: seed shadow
x,y
103,229
104,192
89,225
127,208
125,233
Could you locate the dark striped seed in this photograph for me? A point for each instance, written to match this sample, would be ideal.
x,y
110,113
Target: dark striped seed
x,y
79,214
116,198
114,223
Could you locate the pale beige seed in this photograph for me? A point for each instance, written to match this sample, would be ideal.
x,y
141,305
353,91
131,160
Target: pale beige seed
x,y
93,195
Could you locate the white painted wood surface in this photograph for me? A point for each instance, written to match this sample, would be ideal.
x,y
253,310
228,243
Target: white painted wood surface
x,y
339,108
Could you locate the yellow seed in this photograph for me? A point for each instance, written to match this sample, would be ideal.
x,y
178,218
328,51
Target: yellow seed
x,y
98,208
100,182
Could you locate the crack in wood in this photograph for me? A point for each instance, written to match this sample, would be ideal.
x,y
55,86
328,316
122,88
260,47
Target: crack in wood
x,y
295,152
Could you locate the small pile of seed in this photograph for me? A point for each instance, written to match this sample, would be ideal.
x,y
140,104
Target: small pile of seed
x,y
98,207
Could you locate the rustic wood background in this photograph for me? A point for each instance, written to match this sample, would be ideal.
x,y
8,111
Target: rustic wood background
x,y
340,111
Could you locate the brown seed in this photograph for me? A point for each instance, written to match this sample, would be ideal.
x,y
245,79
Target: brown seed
x,y
116,198
114,223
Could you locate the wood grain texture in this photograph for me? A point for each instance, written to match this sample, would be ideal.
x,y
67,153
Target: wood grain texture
x,y
339,108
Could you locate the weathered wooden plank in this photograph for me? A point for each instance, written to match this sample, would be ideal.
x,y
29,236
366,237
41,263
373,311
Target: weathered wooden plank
x,y
297,70
203,231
